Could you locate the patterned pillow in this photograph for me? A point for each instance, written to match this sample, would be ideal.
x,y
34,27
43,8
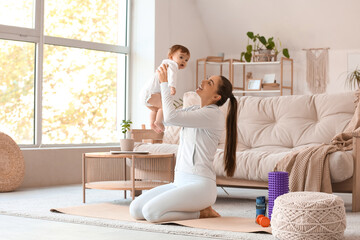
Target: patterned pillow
x,y
171,135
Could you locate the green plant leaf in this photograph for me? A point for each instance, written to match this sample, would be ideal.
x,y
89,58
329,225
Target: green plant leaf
x,y
178,103
248,56
270,46
249,48
250,35
285,52
262,39
271,43
125,125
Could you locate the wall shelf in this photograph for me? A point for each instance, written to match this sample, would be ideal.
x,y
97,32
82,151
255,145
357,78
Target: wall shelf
x,y
237,62
232,63
220,61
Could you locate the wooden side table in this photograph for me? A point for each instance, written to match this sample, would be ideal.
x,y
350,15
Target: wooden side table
x,y
104,170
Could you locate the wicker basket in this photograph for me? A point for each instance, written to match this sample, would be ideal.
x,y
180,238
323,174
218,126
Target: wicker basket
x,y
12,166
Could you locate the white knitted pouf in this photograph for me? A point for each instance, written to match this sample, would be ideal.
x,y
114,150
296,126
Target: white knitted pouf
x,y
308,215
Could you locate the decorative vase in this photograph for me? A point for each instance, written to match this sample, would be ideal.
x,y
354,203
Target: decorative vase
x,y
127,144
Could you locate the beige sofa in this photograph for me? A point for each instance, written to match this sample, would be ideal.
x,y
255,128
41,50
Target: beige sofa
x,y
269,128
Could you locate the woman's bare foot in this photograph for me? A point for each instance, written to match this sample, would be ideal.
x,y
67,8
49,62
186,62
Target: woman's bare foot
x,y
160,126
155,128
209,212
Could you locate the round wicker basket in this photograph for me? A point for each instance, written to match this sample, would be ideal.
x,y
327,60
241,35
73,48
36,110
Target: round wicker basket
x,y
12,166
308,216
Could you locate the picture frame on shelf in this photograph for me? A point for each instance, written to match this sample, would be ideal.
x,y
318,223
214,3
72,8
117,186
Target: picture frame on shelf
x,y
269,78
253,85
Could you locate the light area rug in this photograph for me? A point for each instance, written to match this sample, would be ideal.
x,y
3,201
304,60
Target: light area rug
x,y
121,212
36,203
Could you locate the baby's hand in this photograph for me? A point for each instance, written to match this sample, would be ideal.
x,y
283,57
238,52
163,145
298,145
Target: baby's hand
x,y
172,90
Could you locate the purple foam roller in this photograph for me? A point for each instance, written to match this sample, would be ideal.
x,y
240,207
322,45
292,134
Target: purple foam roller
x,y
278,185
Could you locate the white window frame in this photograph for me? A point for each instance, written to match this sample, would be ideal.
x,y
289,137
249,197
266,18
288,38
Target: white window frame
x,y
37,36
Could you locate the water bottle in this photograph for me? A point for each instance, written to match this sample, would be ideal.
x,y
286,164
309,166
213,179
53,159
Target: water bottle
x,y
260,206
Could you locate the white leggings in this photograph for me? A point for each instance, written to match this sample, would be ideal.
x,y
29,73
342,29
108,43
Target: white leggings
x,y
180,200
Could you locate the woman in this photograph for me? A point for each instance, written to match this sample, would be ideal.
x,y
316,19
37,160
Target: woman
x,y
194,188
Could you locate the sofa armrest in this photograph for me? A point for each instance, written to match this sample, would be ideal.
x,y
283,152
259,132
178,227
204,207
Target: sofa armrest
x,y
356,173
146,135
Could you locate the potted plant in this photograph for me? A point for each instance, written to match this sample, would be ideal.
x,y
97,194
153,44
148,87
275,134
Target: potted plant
x,y
127,143
263,46
353,79
178,103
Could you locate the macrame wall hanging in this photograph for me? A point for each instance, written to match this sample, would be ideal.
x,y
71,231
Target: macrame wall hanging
x,y
317,69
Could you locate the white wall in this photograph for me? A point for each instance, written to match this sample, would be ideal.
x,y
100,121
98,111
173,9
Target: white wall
x,y
179,22
156,26
142,60
298,24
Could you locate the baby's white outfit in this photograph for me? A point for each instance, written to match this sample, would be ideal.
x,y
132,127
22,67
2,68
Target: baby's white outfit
x,y
153,86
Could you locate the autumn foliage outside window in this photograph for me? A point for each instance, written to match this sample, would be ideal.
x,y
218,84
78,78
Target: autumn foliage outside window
x,y
68,88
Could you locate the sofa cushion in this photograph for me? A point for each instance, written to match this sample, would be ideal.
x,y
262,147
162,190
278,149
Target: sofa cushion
x,y
256,163
172,135
292,121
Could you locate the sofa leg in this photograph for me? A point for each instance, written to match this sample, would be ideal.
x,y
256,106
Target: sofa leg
x,y
355,202
356,175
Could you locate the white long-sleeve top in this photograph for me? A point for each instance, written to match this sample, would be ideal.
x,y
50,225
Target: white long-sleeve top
x,y
199,137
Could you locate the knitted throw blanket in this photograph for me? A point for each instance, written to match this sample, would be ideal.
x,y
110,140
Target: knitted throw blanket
x,y
309,168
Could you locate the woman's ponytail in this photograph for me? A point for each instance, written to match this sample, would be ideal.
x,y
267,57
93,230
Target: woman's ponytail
x,y
225,91
231,138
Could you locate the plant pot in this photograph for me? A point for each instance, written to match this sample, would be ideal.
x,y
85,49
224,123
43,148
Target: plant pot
x,y
127,144
264,55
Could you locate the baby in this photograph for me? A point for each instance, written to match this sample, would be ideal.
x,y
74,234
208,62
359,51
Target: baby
x,y
178,56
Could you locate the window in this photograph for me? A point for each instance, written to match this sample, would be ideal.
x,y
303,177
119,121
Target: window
x,y
95,21
18,13
63,70
17,90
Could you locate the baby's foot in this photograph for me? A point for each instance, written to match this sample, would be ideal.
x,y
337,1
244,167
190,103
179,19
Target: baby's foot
x,y
155,128
209,212
160,126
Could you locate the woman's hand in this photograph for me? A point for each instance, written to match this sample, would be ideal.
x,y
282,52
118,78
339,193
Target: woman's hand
x,y
162,72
